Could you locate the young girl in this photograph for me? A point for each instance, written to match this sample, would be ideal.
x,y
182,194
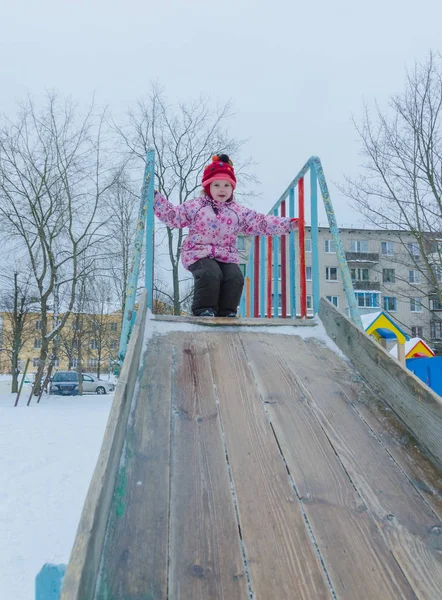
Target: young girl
x,y
209,251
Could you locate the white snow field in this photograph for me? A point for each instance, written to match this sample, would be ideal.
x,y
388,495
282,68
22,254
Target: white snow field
x,y
48,453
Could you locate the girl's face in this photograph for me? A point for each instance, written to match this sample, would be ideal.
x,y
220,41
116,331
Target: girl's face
x,y
221,190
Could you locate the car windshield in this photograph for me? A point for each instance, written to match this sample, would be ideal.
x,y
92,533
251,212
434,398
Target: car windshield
x,y
65,376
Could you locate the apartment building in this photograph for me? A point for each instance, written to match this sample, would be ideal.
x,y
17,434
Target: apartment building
x,y
386,273
96,334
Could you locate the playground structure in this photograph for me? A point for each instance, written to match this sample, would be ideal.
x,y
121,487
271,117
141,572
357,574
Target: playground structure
x,y
249,458
379,325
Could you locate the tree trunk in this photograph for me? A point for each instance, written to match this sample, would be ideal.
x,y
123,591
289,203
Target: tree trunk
x,y
80,361
17,339
41,366
176,290
14,386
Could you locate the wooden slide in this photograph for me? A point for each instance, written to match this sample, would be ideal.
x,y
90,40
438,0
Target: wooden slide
x,y
255,462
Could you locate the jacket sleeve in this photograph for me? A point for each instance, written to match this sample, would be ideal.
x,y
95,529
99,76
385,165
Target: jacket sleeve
x,y
253,223
170,215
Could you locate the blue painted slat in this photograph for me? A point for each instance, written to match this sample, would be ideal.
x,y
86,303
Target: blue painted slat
x,y
49,581
252,276
262,291
275,272
242,304
292,256
345,271
315,241
148,189
132,284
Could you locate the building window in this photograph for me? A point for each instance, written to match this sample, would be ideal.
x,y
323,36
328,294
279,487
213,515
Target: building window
x,y
308,273
74,363
358,246
308,244
35,362
38,325
387,248
37,343
93,363
279,272
94,345
309,302
413,248
114,326
56,363
416,304
360,275
417,331
436,330
279,304
438,273
241,243
113,345
435,304
367,299
331,273
333,299
330,246
388,276
389,303
414,276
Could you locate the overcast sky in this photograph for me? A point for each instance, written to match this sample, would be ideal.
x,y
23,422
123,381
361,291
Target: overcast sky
x,y
296,71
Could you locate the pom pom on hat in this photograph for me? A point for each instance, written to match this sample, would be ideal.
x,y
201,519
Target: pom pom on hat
x,y
221,168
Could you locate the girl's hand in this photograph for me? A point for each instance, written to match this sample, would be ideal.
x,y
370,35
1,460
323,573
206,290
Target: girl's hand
x,y
295,224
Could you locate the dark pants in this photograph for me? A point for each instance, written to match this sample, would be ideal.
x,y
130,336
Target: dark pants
x,y
218,286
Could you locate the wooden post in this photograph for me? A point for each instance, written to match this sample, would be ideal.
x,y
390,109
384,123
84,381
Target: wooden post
x,y
22,381
49,581
401,353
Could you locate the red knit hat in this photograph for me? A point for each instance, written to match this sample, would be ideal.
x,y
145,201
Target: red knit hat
x,y
221,167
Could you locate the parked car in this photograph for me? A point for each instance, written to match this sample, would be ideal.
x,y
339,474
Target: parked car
x,y
66,384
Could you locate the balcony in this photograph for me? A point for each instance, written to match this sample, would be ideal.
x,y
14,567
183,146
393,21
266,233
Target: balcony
x,y
366,286
362,257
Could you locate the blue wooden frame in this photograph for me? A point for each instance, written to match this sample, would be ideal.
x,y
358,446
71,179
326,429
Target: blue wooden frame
x,y
145,222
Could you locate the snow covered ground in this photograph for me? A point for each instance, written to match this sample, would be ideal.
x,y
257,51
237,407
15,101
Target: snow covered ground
x,y
47,456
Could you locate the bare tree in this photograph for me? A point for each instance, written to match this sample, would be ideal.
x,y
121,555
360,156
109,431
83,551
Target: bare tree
x,y
123,203
184,138
16,301
401,186
54,174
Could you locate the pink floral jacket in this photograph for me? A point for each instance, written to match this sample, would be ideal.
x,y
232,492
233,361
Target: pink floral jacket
x,y
214,226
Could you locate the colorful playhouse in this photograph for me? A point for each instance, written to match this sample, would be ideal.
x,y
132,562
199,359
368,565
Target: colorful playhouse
x,y
414,352
415,348
380,326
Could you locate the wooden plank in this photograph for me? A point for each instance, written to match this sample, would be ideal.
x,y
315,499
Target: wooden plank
x,y
418,406
82,571
356,557
390,431
410,527
136,551
280,555
239,322
205,552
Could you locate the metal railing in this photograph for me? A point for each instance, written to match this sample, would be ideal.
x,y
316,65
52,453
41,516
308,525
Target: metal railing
x,y
145,228
273,254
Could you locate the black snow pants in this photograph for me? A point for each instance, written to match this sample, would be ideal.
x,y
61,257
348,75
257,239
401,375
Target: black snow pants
x,y
218,286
